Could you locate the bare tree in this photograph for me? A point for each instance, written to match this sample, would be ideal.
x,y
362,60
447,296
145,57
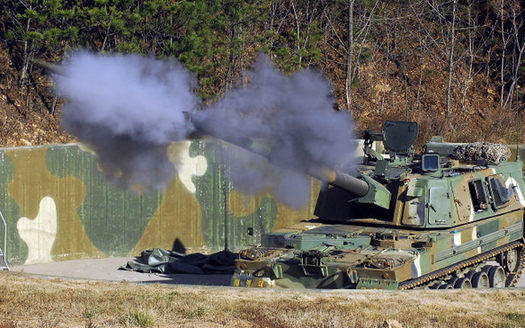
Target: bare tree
x,y
349,57
359,37
451,56
518,50
504,41
472,28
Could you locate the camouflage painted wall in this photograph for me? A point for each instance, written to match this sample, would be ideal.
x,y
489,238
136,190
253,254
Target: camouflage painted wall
x,y
58,206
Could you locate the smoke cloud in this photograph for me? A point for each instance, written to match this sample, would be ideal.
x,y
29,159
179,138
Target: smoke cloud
x,y
129,108
288,120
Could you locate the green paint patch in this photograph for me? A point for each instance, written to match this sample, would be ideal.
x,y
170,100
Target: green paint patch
x,y
220,226
114,218
16,248
486,229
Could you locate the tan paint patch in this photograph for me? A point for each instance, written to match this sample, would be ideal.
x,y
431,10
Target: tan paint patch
x,y
32,182
466,235
177,217
86,148
463,202
287,216
241,205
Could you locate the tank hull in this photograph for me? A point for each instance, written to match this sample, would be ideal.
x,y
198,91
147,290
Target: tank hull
x,y
316,255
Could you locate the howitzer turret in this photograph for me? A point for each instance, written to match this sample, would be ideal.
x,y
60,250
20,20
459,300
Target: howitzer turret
x,y
450,217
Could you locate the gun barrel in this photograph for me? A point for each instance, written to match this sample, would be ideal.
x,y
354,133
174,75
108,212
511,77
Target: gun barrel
x,y
345,181
49,67
342,180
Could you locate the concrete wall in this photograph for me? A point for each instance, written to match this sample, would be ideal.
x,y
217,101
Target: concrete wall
x,y
59,206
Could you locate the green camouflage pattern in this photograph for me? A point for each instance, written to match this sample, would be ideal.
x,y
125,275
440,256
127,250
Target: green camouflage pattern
x,y
444,220
59,206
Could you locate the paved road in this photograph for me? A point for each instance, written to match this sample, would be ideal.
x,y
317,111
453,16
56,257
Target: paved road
x,y
107,269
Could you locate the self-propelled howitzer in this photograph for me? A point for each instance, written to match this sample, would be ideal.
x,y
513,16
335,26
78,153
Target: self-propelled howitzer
x,y
451,217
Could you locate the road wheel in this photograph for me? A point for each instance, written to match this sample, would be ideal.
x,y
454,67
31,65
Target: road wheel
x,y
487,268
511,259
436,286
480,280
470,274
446,286
496,277
463,283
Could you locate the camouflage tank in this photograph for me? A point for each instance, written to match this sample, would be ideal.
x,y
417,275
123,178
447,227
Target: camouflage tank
x,y
451,217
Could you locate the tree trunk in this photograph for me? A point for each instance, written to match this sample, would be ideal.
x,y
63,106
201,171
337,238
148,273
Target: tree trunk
x,y
54,104
348,83
471,60
421,69
298,31
451,58
502,66
519,49
25,62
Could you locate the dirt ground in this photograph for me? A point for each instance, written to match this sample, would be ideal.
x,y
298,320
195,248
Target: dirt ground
x,y
34,302
94,293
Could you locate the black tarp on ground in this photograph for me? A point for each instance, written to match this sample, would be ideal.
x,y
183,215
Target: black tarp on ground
x,y
159,260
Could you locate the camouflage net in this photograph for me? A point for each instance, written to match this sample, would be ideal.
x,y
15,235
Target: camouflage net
x,y
482,151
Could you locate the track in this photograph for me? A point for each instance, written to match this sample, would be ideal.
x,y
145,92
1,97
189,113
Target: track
x,y
510,281
513,278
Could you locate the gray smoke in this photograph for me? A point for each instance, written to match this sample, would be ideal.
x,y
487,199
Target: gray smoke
x,y
290,122
129,108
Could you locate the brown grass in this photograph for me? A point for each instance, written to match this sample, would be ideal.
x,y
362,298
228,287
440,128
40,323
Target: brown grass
x,y
31,302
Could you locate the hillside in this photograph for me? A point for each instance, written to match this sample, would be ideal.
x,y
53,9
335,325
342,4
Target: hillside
x,y
453,67
27,120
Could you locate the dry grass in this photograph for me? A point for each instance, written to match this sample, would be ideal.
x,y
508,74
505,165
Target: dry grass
x,y
31,302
